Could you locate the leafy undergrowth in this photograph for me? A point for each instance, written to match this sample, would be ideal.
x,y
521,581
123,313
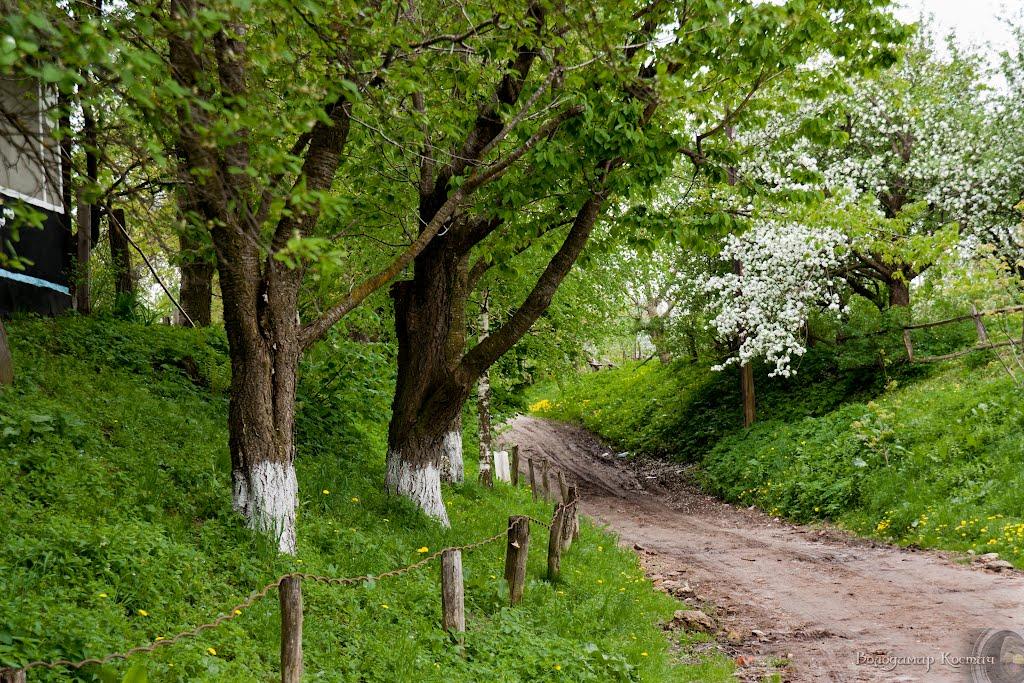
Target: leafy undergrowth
x,y
934,460
116,530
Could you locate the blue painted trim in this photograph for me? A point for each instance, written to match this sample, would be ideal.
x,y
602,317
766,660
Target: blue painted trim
x,y
35,281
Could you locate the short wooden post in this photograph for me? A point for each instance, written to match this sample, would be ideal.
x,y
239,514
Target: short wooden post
x,y
533,477
513,454
453,597
563,487
6,361
979,326
545,486
555,543
908,345
12,676
290,592
515,556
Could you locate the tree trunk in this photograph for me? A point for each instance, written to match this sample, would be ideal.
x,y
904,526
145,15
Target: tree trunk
x,y
83,297
899,292
430,328
453,468
195,294
261,321
747,389
120,261
483,401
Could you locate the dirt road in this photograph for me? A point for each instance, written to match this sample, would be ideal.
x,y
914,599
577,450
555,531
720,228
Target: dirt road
x,y
823,599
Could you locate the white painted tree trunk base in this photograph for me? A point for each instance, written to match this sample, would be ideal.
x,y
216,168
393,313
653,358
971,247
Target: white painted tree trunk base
x,y
420,483
271,498
452,467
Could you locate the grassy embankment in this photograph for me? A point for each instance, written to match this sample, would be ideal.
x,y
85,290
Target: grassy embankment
x,y
925,455
116,529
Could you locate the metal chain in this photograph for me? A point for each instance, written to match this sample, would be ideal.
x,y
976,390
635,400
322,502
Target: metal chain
x,y
254,597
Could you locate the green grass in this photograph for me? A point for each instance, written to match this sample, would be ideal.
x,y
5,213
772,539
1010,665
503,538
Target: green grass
x,y
116,529
932,456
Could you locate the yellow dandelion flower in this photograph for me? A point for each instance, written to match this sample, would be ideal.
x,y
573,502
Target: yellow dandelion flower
x,y
326,492
558,667
143,613
355,499
643,654
237,612
104,595
211,651
423,550
384,605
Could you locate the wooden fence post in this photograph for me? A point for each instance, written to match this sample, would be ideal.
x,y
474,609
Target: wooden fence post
x,y
453,598
515,556
290,592
513,454
12,676
563,487
533,477
906,343
555,543
979,326
545,486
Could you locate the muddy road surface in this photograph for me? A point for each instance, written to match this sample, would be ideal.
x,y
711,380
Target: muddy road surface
x,y
836,607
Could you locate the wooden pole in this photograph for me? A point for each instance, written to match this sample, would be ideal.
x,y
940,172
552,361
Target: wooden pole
x,y
545,486
533,477
563,487
555,544
906,343
290,592
12,676
513,455
747,389
515,557
979,326
453,597
6,361
82,297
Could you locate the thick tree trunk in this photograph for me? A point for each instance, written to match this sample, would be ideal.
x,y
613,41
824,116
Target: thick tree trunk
x,y
453,467
430,328
195,294
899,292
264,486
120,261
261,321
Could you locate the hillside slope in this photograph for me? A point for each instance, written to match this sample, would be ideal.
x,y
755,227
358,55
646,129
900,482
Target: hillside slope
x,y
925,456
116,530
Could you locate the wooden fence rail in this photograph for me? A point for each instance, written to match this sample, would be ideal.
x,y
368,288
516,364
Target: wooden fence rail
x,y
979,327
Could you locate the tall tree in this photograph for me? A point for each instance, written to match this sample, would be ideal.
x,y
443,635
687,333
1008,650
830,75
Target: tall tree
x,y
643,102
258,112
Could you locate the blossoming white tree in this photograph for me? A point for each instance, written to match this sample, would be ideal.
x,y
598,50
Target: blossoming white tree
x,y
786,273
